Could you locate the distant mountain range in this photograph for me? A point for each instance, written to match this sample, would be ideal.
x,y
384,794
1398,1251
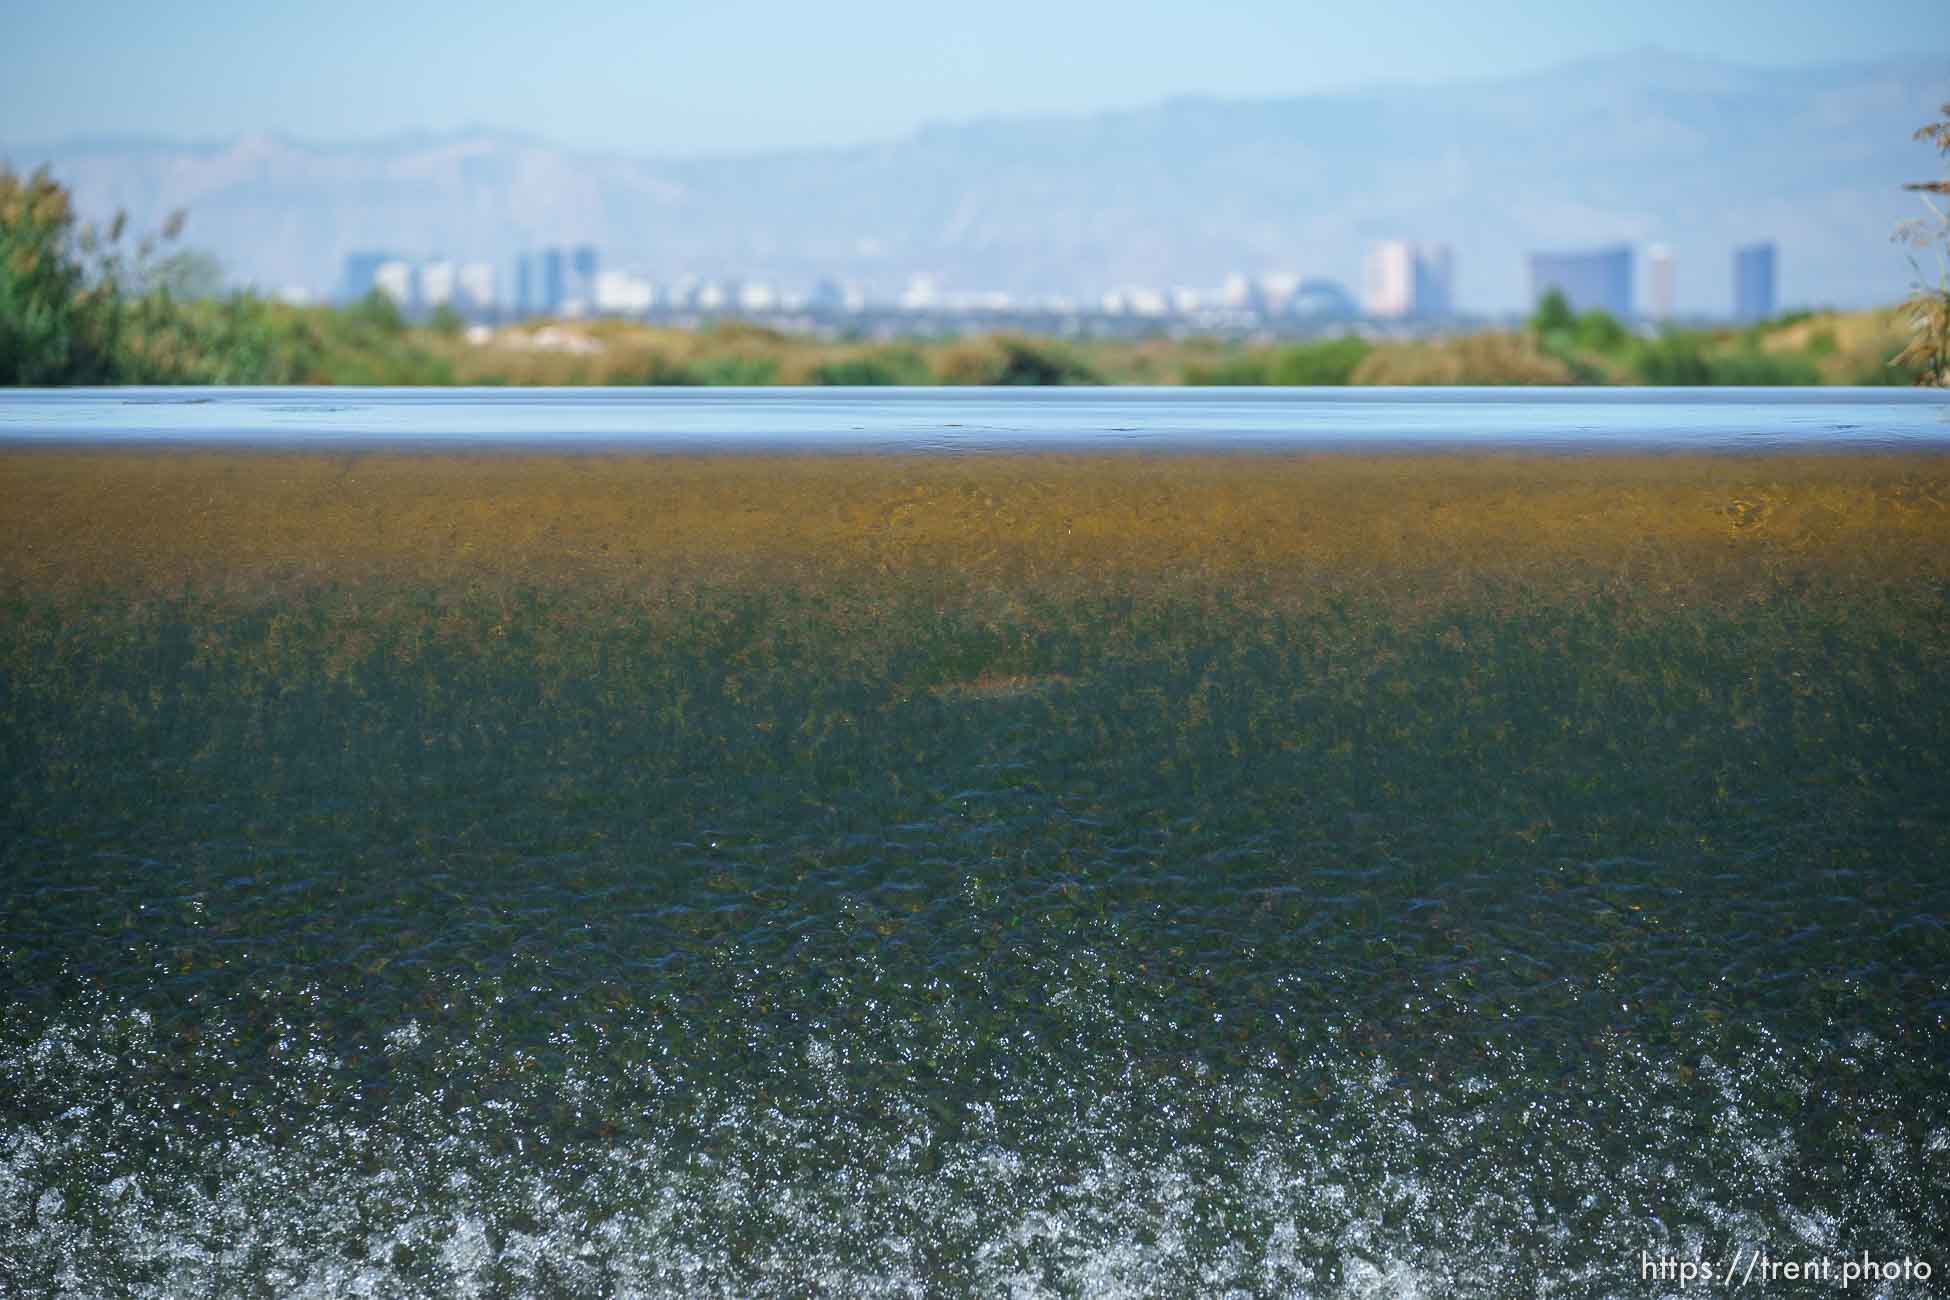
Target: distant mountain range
x,y
1644,148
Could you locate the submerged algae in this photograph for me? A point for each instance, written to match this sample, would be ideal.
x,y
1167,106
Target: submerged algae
x,y
1257,875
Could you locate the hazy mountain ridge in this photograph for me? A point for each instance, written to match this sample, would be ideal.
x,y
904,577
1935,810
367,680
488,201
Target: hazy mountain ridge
x,y
1644,147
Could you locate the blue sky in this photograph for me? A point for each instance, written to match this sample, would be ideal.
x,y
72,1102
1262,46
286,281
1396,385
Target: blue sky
x,y
755,75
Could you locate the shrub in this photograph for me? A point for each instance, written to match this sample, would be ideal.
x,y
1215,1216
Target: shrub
x,y
1686,359
736,371
1007,360
1476,359
1673,360
1601,332
881,369
1888,368
1761,369
854,372
378,313
1247,369
1329,363
734,331
229,342
1553,314
56,327
660,371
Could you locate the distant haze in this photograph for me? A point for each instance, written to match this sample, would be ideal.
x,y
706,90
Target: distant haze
x,y
1641,148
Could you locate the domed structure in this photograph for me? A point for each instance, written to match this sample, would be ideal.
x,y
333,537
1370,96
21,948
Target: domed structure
x,y
1322,300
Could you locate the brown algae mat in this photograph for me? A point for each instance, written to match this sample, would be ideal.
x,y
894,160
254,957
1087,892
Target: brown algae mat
x,y
273,524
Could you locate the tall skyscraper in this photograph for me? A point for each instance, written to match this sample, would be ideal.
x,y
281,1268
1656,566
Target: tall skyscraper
x,y
1405,281
525,284
1435,282
1388,281
554,282
1598,279
1660,288
362,274
1754,278
582,260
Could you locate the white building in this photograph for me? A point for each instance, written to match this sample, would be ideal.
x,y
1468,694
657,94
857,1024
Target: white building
x,y
1237,292
923,292
623,293
1388,281
1403,281
436,283
1659,294
395,280
1276,290
477,284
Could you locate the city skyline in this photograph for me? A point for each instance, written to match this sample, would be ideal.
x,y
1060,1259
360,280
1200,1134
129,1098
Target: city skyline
x,y
1404,283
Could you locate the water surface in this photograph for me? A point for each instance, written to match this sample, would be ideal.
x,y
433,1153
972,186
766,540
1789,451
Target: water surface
x,y
440,855
992,420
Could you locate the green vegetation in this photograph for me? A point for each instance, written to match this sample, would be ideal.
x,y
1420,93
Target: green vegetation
x,y
1797,349
1328,363
77,307
1011,361
882,368
1472,359
446,322
56,327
